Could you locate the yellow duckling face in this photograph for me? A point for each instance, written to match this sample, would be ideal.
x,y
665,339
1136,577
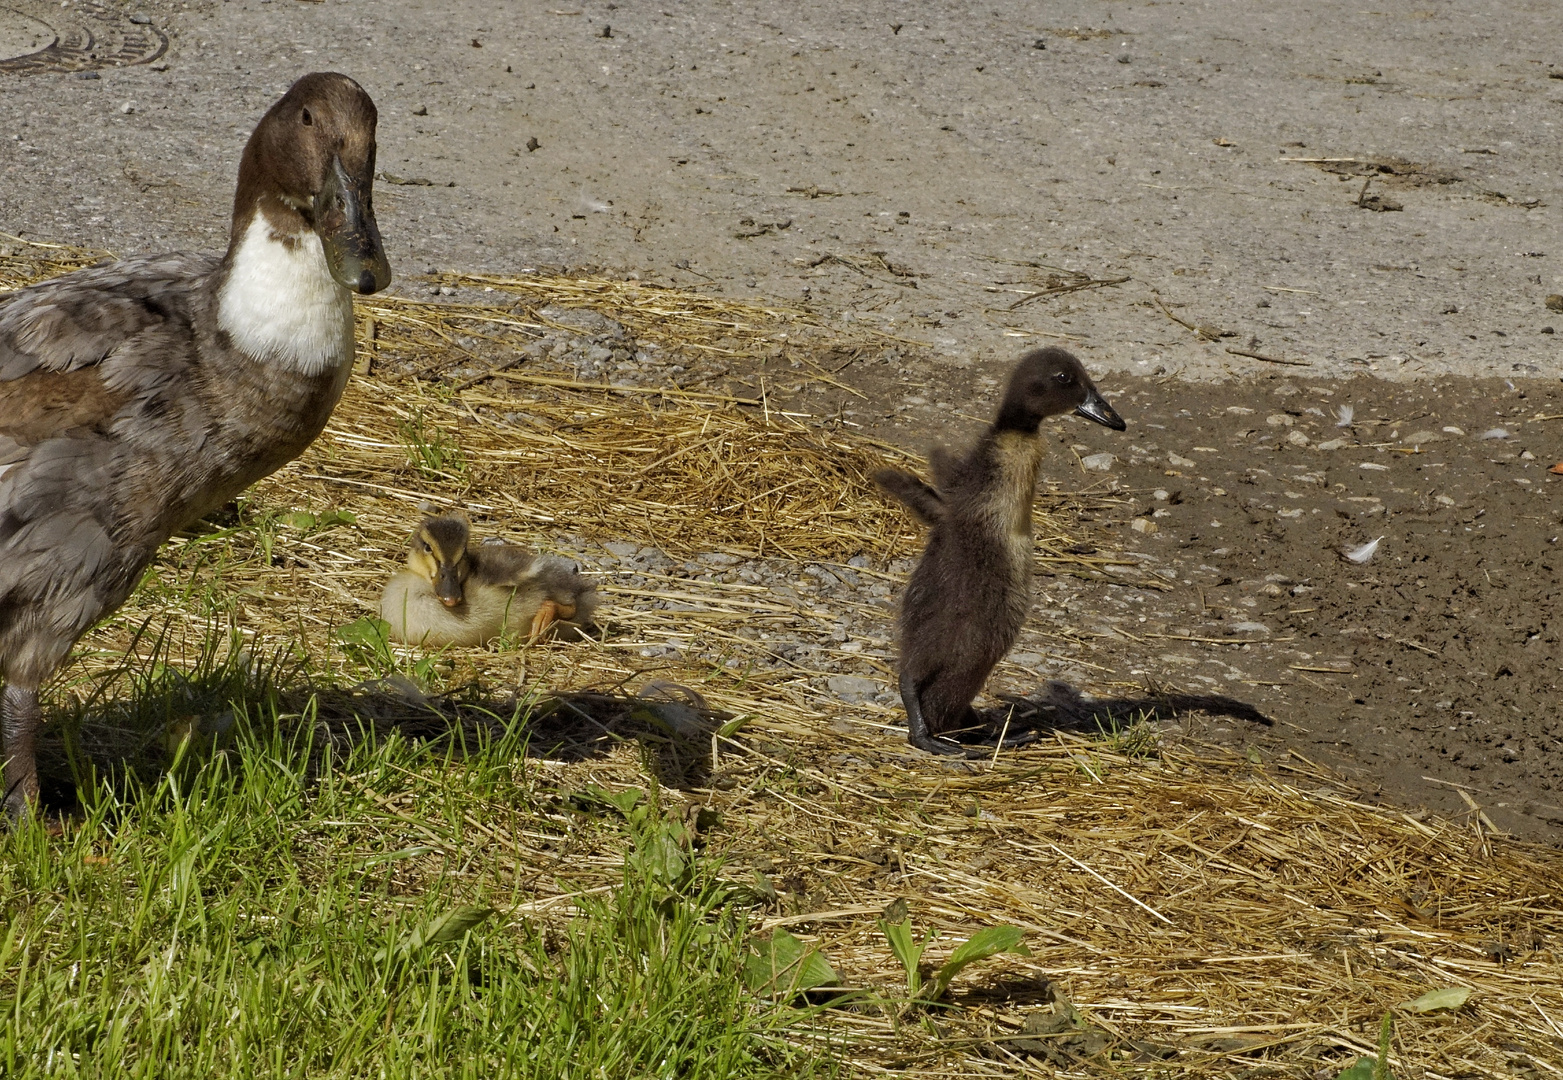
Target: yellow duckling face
x,y
438,553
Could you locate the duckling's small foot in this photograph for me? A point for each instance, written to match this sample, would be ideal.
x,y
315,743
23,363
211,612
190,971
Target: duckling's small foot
x,y
19,720
547,614
917,728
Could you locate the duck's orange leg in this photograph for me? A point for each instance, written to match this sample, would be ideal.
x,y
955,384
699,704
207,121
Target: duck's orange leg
x,y
547,612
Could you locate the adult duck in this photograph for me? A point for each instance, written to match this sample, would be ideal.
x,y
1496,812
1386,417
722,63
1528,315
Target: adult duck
x,y
138,396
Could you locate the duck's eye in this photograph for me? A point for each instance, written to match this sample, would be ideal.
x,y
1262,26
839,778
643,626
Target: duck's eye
x,y
307,119
423,545
1064,378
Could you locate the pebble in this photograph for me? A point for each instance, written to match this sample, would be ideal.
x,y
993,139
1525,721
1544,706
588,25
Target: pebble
x,y
852,689
1101,462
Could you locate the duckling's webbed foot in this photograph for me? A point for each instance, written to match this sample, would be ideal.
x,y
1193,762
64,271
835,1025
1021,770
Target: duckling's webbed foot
x,y
548,612
19,720
917,727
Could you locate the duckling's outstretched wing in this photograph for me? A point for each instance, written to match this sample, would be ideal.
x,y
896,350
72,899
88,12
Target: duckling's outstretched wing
x,y
923,501
946,466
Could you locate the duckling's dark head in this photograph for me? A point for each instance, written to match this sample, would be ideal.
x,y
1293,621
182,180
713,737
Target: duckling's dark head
x,y
310,166
1049,382
439,553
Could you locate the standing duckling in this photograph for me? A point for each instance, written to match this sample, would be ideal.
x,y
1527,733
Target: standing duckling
x,y
138,396
455,594
969,594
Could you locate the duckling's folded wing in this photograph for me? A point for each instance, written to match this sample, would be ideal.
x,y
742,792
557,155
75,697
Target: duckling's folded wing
x,y
946,466
923,501
501,563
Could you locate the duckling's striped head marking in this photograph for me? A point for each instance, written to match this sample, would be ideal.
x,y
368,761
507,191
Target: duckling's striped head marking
x,y
438,553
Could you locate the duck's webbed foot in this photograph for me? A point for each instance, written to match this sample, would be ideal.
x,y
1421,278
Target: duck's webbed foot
x,y
917,732
20,718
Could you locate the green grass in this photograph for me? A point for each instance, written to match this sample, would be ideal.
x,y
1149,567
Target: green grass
x,y
270,904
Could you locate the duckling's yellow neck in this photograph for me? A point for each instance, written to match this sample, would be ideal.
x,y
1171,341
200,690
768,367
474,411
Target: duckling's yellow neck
x,y
280,304
1017,460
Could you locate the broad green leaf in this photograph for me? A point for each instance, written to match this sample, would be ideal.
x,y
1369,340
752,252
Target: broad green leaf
x,y
983,944
302,520
1361,1070
785,965
368,631
446,927
455,922
1449,998
897,928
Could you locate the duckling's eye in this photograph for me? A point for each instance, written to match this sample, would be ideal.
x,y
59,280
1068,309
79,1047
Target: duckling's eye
x,y
423,545
1064,378
308,120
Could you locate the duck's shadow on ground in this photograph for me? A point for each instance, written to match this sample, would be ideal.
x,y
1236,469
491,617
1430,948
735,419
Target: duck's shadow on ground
x,y
669,725
1058,706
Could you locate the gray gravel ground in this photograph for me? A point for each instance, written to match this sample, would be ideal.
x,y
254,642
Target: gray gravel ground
x,y
929,154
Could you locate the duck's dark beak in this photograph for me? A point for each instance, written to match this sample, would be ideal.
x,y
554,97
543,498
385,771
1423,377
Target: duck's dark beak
x,y
1095,407
344,219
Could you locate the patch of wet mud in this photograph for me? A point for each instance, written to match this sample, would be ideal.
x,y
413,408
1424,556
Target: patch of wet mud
x,y
1429,670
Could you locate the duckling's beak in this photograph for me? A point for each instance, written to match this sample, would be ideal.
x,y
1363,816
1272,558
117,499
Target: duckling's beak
x,y
344,219
1095,407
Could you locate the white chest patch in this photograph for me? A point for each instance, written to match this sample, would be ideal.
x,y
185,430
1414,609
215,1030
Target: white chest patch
x,y
281,305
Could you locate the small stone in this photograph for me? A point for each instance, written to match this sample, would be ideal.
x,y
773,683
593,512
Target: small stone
x,y
1444,500
88,75
421,110
851,688
1143,525
1248,628
1100,462
1527,456
532,144
1417,438
621,549
1452,430
1330,444
128,108
1179,462
1555,302
1160,495
1296,438
141,19
1280,420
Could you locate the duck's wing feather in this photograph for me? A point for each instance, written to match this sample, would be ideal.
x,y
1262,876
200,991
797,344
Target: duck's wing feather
x,y
89,364
923,501
80,319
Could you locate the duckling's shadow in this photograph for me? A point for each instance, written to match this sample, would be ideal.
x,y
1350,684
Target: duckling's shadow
x,y
670,725
1058,706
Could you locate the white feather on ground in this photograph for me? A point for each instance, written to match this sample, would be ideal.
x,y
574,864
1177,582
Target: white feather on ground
x,y
1344,414
1496,433
1362,553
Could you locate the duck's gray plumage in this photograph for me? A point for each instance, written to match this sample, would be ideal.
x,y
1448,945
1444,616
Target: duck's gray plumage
x,y
128,408
117,428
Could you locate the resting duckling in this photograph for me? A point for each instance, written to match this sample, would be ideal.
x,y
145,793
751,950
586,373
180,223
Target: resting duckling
x,y
138,396
969,594
455,594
